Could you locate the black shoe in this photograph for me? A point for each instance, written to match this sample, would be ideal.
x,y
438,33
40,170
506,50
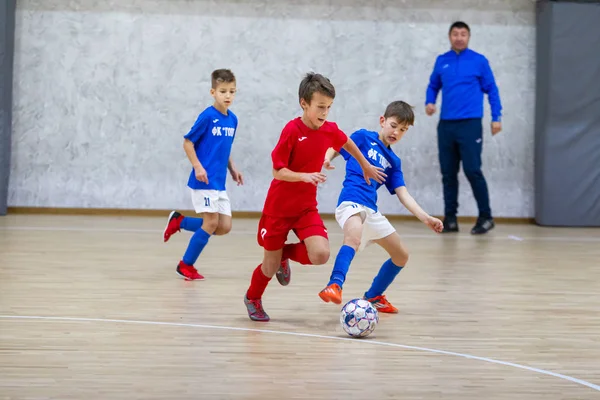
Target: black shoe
x,y
482,226
450,224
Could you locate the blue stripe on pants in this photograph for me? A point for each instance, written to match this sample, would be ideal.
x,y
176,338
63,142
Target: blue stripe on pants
x,y
462,140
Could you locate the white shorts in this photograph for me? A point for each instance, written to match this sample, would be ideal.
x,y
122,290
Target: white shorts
x,y
211,201
375,225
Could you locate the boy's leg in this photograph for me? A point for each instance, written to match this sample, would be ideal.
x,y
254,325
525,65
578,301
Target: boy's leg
x,y
206,202
224,209
313,248
353,228
176,222
296,252
197,243
317,248
203,201
260,279
308,225
387,273
224,225
191,224
272,234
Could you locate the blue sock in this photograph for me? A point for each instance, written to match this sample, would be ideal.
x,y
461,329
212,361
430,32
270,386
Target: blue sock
x,y
387,274
342,265
197,243
191,224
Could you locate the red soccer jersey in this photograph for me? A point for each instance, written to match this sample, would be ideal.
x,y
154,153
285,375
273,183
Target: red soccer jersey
x,y
300,149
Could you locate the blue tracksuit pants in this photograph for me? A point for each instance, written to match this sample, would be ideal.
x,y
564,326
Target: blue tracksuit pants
x,y
462,140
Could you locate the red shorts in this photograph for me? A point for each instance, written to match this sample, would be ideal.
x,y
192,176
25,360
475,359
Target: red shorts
x,y
273,231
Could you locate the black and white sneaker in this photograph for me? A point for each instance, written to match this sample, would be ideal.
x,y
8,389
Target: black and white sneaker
x,y
450,224
482,226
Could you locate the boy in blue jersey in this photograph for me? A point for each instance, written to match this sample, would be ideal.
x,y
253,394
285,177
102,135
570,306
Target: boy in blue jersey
x,y
208,147
357,212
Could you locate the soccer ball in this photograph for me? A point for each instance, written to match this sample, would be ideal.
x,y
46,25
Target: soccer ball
x,y
359,318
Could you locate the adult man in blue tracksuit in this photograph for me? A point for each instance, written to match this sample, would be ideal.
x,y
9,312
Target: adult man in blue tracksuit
x,y
464,76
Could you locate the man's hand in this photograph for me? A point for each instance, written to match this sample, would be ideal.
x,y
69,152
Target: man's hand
x,y
496,127
430,109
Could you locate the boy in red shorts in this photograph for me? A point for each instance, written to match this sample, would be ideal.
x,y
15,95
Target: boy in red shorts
x,y
291,203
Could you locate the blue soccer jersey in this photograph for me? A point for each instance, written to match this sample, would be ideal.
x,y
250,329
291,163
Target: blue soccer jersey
x,y
355,189
212,135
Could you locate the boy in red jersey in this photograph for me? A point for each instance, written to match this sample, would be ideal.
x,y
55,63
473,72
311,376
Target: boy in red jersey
x,y
291,202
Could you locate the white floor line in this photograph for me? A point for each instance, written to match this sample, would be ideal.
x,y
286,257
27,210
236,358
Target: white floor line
x,y
309,335
517,238
432,236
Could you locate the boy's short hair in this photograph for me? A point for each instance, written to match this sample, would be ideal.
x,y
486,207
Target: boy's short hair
x,y
400,110
315,83
459,25
219,76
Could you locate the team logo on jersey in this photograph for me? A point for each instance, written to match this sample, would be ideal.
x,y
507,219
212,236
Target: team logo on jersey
x,y
223,131
302,138
215,120
375,156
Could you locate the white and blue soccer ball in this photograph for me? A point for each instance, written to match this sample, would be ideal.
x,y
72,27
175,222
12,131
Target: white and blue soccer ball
x,y
359,318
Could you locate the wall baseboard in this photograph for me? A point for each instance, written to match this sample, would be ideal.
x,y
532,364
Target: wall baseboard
x,y
125,212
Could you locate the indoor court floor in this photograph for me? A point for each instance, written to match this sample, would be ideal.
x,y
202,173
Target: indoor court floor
x,y
91,308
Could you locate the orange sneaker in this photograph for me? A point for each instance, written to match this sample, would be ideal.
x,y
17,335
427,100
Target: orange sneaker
x,y
331,293
382,304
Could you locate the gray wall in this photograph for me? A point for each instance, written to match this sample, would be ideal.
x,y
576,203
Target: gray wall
x,y
7,35
104,92
567,162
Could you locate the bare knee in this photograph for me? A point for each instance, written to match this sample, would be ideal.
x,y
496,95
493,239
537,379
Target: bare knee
x,y
223,227
271,263
353,242
210,223
319,256
400,257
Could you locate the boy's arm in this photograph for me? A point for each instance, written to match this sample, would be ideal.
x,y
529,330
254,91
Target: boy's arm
x,y
329,156
190,151
285,174
369,171
235,174
411,205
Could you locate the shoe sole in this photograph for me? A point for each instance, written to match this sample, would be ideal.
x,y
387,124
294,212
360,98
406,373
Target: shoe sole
x,y
327,298
482,233
186,278
167,226
259,320
386,311
254,318
450,230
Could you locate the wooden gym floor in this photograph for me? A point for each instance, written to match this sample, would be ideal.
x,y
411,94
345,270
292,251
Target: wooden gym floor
x,y
91,308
